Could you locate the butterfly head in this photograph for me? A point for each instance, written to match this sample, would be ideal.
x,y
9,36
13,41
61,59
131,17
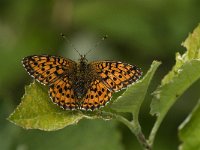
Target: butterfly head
x,y
83,59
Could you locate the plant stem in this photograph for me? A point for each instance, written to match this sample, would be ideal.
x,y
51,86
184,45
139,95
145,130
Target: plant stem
x,y
132,125
138,132
154,130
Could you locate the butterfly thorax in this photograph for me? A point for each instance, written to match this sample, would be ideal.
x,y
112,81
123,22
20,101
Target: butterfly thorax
x,y
82,78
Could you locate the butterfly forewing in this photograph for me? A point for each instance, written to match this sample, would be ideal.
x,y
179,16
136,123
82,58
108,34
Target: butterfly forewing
x,y
116,75
46,69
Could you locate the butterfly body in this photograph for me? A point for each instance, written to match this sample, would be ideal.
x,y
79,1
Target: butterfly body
x,y
82,78
81,85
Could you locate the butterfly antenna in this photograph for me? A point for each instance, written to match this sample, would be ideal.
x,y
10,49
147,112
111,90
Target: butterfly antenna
x,y
97,44
68,41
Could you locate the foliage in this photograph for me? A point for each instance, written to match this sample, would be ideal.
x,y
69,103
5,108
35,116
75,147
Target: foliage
x,y
185,72
189,130
37,112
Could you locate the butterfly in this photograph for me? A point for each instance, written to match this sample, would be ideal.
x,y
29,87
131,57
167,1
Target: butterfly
x,y
82,85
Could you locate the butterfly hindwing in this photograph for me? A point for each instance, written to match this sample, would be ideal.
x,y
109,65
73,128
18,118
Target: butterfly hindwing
x,y
62,94
116,75
97,96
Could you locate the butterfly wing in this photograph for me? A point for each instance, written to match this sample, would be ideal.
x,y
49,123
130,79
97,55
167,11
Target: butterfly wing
x,y
110,76
62,94
54,72
116,75
97,95
47,69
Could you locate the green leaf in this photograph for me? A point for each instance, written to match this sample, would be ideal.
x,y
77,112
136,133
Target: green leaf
x,y
36,111
189,130
132,98
185,72
167,94
192,43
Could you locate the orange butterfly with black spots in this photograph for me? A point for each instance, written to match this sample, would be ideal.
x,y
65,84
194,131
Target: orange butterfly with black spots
x,y
83,85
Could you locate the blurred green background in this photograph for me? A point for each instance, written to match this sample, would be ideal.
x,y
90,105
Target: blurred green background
x,y
139,31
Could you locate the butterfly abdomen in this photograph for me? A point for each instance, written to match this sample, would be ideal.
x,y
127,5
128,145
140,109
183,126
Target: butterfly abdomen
x,y
79,88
